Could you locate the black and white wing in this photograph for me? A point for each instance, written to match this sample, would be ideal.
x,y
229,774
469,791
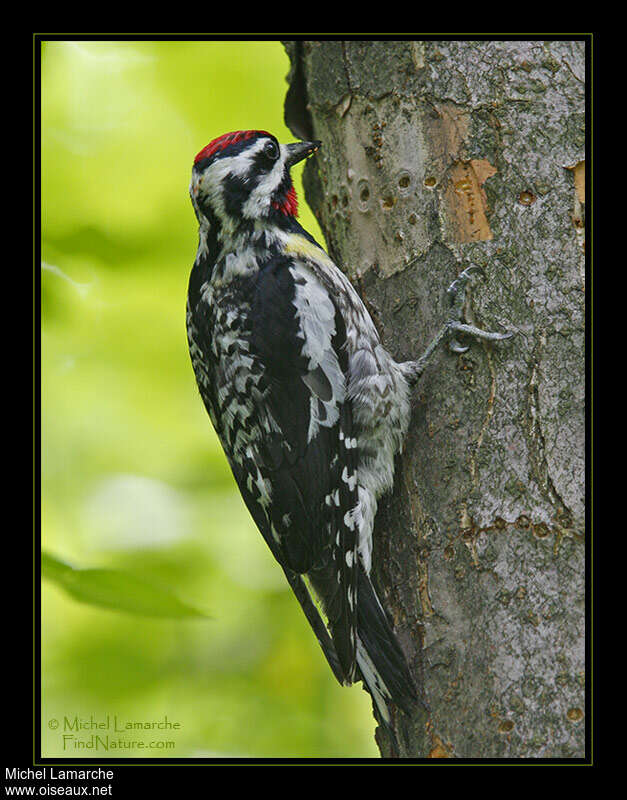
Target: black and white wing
x,y
295,467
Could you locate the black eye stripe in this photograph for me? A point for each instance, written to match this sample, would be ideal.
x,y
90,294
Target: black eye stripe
x,y
263,163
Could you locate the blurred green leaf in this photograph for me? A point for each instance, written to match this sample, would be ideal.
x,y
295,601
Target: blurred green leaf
x,y
116,590
133,475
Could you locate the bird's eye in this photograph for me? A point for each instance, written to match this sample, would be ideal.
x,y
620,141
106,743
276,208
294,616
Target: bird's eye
x,y
271,150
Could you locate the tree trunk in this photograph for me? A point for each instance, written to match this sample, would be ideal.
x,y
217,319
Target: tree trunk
x,y
435,155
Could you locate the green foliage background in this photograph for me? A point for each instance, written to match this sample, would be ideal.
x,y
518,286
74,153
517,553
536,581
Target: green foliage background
x,y
160,598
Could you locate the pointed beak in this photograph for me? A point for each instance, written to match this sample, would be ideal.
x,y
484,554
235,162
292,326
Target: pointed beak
x,y
299,150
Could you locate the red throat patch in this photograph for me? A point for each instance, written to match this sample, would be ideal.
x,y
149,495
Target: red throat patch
x,y
289,206
224,141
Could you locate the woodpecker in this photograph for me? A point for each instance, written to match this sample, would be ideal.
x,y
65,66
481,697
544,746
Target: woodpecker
x,y
309,407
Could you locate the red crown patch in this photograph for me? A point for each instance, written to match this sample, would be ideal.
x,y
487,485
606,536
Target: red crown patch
x,y
224,141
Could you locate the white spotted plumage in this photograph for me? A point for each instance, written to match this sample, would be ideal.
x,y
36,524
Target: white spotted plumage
x,y
308,405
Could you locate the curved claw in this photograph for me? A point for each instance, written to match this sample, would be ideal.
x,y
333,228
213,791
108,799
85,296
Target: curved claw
x,y
457,347
470,269
463,278
479,333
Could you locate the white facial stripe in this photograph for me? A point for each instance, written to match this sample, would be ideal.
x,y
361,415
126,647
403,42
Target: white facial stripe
x,y
240,164
261,195
211,181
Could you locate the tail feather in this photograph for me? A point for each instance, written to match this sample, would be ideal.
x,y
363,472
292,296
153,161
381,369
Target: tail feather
x,y
299,587
381,661
334,599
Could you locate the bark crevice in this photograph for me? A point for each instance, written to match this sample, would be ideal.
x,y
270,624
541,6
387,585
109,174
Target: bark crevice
x,y
437,154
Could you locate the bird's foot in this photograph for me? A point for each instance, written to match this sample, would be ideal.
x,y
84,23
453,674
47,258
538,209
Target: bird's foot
x,y
457,296
454,326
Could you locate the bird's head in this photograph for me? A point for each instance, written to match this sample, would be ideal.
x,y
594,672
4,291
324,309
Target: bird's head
x,y
244,177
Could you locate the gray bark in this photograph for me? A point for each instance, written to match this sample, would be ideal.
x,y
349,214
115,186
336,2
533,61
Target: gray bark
x,y
437,154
